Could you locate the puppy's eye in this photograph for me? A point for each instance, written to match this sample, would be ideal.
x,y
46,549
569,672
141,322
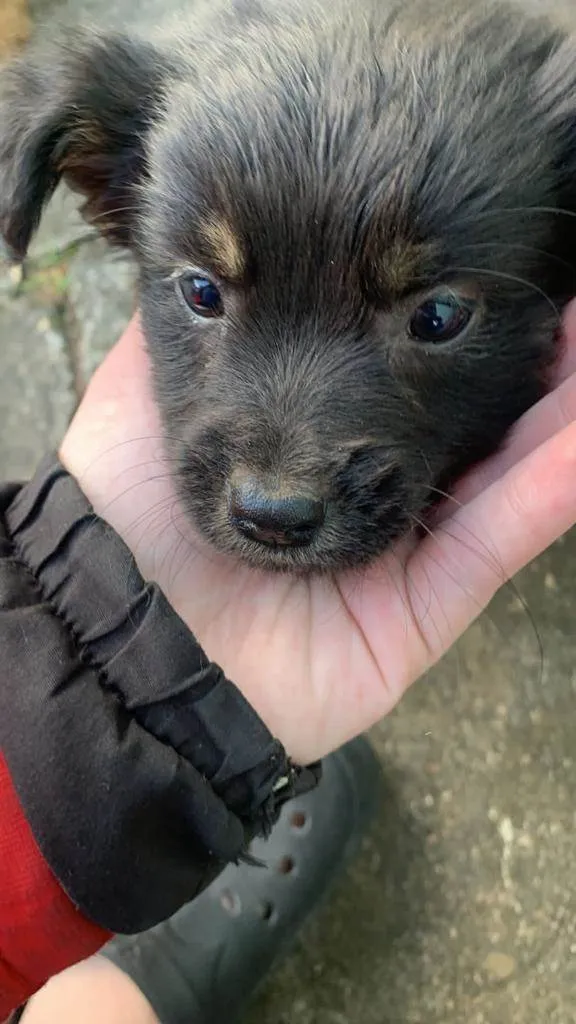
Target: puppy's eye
x,y
440,319
201,295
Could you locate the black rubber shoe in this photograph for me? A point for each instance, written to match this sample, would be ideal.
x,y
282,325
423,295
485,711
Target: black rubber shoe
x,y
202,965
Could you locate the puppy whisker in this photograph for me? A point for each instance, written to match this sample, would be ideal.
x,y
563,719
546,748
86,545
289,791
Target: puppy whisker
x,y
520,248
513,211
107,214
445,495
513,278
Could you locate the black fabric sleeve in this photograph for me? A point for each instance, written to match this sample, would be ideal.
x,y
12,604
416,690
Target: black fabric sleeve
x,y
141,769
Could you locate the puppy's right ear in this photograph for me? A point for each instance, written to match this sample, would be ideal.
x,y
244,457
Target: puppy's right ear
x,y
79,111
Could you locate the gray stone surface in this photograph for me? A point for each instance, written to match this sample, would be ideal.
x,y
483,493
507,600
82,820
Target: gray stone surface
x,y
61,225
36,394
101,300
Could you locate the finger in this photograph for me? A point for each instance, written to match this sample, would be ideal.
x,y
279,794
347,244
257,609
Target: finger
x,y
548,417
454,573
567,364
551,414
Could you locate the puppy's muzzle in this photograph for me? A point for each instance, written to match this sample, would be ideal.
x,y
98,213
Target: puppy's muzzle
x,y
273,519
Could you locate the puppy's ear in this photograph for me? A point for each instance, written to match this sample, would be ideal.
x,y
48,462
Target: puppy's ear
x,y
79,111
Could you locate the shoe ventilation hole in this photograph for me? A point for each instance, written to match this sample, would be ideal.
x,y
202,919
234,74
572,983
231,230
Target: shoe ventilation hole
x,y
286,866
267,912
230,902
298,820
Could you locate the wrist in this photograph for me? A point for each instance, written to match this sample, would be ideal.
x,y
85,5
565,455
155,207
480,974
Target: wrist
x,y
135,733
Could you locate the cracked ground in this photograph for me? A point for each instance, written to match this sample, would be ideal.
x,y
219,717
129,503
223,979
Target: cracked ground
x,y
461,907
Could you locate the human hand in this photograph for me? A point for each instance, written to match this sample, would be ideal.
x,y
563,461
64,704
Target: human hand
x,y
322,659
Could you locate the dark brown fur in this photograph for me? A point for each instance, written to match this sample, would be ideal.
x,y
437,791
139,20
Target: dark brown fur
x,y
332,164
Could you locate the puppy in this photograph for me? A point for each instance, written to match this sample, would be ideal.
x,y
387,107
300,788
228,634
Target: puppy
x,y
355,227
14,26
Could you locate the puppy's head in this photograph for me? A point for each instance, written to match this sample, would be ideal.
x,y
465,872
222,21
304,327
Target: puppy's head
x,y
355,233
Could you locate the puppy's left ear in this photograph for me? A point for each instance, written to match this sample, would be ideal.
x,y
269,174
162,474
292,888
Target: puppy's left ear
x,y
79,111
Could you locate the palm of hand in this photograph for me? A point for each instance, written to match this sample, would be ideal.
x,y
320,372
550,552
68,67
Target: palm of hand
x,y
293,646
322,659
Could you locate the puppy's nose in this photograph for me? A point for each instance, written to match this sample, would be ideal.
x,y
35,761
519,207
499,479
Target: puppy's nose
x,y
289,521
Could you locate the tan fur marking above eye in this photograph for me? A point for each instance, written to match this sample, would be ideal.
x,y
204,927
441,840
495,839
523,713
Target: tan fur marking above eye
x,y
225,251
400,265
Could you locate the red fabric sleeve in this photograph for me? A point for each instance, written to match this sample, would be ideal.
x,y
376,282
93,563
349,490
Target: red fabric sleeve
x,y
41,931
